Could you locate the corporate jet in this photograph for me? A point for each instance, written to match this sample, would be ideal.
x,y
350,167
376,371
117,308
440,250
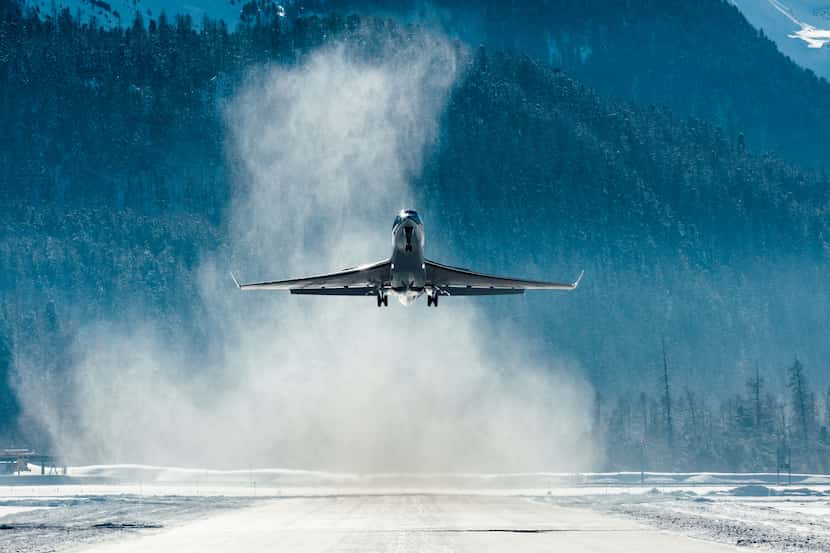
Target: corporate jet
x,y
407,275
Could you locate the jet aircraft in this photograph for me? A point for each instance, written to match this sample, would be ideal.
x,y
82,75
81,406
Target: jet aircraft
x,y
407,275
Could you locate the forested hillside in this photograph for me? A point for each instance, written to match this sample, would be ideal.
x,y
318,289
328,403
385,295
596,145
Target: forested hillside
x,y
699,58
114,177
674,220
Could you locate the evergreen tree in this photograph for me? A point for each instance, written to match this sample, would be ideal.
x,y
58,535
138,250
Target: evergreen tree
x,y
801,402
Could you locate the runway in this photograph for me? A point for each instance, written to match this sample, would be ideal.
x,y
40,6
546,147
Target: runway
x,y
409,523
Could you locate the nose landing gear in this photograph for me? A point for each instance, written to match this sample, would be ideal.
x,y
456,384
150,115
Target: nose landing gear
x,y
432,300
408,232
383,300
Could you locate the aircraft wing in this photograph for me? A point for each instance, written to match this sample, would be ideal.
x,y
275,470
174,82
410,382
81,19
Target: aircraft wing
x,y
358,281
453,281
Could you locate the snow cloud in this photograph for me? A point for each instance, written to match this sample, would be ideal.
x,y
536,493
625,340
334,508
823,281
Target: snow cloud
x,y
323,153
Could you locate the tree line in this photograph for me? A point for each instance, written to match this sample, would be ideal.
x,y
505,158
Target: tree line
x,y
762,428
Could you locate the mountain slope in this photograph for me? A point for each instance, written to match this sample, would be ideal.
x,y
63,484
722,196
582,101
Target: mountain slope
x,y
114,172
699,58
672,220
122,13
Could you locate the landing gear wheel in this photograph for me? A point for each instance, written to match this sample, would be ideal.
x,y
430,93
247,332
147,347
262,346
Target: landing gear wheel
x,y
432,300
383,301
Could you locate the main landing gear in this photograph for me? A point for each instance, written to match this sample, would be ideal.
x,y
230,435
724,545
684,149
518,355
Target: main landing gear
x,y
383,300
432,300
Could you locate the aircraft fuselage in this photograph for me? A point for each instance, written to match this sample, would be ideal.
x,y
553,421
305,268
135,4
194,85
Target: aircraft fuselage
x,y
408,270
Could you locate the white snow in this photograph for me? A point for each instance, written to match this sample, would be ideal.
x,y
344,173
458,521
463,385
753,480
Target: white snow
x,y
10,510
133,508
410,523
799,28
814,38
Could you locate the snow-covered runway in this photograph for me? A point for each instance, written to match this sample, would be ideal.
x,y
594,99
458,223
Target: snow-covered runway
x,y
416,523
135,508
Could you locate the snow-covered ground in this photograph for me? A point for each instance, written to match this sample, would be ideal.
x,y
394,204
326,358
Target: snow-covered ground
x,y
142,508
800,28
786,518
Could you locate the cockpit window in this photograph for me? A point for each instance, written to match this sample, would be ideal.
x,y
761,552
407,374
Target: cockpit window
x,y
407,214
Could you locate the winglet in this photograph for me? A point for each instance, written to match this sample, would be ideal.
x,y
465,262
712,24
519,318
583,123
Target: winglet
x,y
578,279
236,281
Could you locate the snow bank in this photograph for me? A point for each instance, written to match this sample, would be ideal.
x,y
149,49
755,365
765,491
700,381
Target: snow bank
x,y
750,491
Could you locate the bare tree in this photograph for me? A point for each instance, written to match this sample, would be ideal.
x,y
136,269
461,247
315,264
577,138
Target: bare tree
x,y
669,423
755,385
801,400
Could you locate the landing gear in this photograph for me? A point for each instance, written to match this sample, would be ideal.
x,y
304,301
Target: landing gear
x,y
408,231
383,300
432,300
